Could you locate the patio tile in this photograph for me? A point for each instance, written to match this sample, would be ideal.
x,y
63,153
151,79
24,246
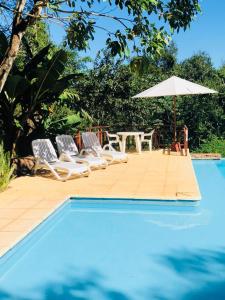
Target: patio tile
x,y
7,238
5,203
35,213
11,213
23,203
21,225
4,222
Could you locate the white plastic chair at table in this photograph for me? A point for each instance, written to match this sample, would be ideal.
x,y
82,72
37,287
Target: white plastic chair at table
x,y
46,157
147,138
91,142
114,139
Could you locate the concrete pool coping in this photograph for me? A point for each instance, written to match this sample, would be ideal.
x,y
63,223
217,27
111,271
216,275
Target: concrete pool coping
x,y
149,176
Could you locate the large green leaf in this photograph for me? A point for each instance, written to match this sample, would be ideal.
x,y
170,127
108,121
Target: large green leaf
x,y
68,121
48,75
73,119
34,62
27,47
16,86
64,82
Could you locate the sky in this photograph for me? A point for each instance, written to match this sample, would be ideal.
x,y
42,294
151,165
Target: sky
x,y
206,33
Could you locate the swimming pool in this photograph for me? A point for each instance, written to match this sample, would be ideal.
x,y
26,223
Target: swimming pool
x,y
125,250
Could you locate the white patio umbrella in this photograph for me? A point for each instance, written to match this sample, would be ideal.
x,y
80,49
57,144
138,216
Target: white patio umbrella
x,y
174,86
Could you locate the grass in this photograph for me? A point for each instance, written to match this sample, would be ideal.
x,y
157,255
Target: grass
x,y
214,145
6,170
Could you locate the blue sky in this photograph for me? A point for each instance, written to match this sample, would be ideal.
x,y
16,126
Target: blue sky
x,y
207,33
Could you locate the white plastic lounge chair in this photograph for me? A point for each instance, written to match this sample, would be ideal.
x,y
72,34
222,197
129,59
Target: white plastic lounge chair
x,y
91,142
46,157
68,151
147,138
114,139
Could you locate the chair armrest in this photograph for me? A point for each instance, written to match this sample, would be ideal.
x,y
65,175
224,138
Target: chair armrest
x,y
39,162
110,147
150,134
89,151
114,136
86,151
146,137
65,157
84,162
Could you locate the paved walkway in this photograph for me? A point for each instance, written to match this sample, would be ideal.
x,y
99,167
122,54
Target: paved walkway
x,y
29,200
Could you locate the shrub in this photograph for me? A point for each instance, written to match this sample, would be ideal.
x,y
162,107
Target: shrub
x,y
214,145
6,170
64,120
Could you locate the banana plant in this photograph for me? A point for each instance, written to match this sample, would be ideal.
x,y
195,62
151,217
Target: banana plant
x,y
28,92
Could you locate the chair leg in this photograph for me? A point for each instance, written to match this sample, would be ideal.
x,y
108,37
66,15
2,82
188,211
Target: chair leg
x,y
123,143
120,146
150,145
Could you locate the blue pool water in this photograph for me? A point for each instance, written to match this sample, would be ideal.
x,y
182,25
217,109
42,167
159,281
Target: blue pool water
x,y
124,250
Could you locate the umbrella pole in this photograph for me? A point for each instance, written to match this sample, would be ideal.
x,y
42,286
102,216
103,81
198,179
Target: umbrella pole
x,y
174,119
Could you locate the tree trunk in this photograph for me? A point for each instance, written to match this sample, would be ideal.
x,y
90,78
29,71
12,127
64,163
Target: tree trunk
x,y
10,56
19,27
14,44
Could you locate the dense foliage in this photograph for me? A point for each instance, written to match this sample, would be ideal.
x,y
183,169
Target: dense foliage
x,y
51,91
81,19
105,93
29,94
125,23
213,145
6,170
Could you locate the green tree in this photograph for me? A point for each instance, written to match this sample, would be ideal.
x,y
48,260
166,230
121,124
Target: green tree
x,y
26,100
82,18
106,94
203,114
35,39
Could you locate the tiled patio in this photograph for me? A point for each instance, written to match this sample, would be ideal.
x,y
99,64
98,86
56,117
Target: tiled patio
x,y
30,200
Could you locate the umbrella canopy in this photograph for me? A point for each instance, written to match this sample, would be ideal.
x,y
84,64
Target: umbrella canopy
x,y
174,86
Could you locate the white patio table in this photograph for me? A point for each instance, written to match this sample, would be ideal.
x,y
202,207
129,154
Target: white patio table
x,y
135,134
